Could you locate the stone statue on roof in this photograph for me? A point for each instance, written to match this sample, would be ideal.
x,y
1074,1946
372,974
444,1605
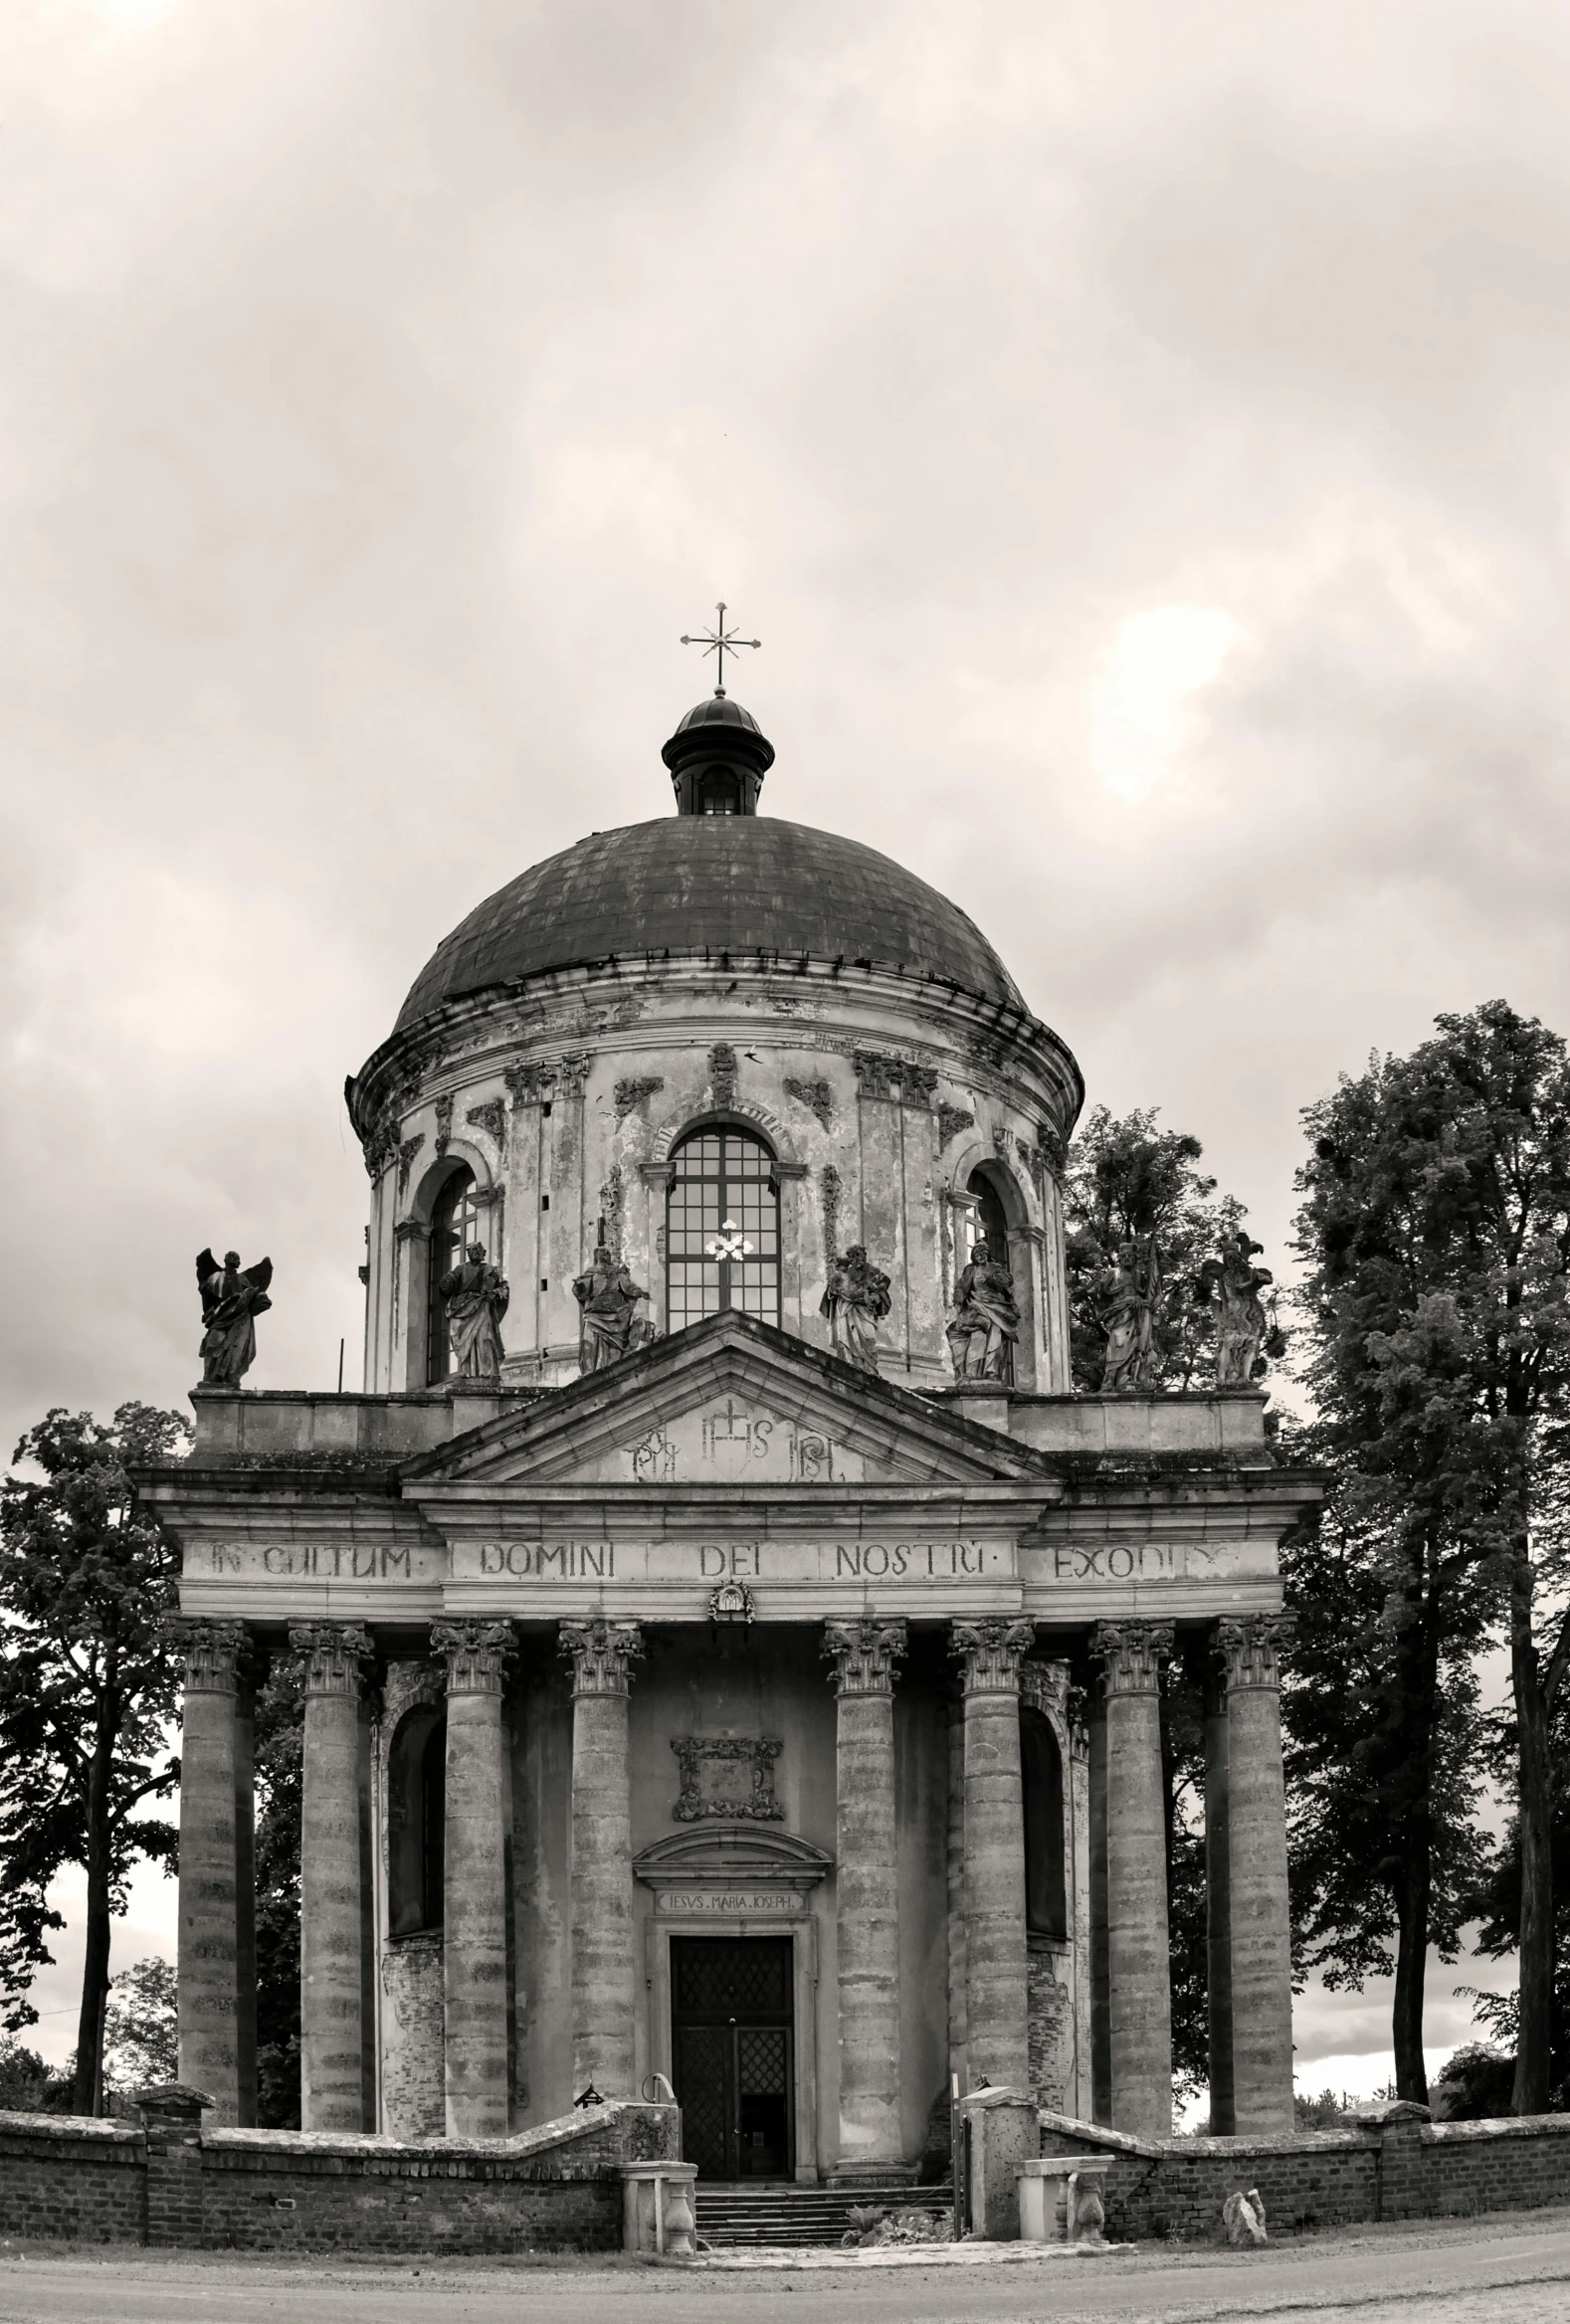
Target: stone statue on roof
x,y
986,1318
475,1296
854,1302
233,1298
607,1320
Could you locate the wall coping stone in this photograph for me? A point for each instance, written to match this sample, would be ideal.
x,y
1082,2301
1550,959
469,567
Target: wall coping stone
x,y
564,2130
106,2129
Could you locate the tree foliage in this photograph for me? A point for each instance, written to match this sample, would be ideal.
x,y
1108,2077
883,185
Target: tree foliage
x,y
87,1691
1435,1230
142,2025
279,1732
1131,1186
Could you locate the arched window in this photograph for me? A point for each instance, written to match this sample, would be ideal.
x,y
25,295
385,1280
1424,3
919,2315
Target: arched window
x,y
1045,1890
416,1821
722,1228
455,1224
720,792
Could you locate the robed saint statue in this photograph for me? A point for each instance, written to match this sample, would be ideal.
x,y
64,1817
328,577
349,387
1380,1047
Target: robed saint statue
x,y
232,1297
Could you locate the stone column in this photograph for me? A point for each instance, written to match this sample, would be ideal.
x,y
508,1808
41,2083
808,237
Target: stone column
x,y
604,1970
1259,1921
867,1906
1218,1912
475,1898
1100,2004
209,1969
997,1971
332,2093
1138,1965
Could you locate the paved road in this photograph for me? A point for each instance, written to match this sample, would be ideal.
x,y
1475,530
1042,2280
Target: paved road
x,y
1500,2271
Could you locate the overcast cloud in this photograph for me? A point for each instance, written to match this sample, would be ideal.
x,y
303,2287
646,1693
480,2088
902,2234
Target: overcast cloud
x,y
1137,432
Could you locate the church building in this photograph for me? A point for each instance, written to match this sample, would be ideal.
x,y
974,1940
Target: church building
x,y
732,1646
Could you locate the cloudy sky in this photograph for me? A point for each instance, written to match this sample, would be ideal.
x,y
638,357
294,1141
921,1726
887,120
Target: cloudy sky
x,y
1137,434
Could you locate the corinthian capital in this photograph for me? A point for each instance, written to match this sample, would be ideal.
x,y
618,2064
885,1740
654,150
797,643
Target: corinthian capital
x,y
1250,1650
1130,1655
992,1652
601,1653
335,1655
863,1655
477,1653
214,1654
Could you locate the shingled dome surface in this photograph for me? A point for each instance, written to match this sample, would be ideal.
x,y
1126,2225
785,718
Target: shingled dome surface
x,y
733,883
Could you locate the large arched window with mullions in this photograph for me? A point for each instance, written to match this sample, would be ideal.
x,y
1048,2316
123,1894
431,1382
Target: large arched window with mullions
x,y
722,1228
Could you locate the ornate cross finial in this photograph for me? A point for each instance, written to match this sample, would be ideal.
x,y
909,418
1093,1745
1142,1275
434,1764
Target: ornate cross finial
x,y
719,641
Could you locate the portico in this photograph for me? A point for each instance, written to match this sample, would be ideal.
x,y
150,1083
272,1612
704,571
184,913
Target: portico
x,y
649,1713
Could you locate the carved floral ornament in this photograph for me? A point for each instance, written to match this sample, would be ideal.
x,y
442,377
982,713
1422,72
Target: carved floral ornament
x,y
863,1655
1044,1686
477,1653
992,1652
602,1653
213,1652
335,1655
1249,1650
1130,1655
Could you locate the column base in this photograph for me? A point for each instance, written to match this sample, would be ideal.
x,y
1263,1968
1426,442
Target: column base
x,y
872,2173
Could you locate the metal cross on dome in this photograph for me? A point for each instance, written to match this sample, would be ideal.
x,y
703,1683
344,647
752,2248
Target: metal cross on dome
x,y
729,1243
719,641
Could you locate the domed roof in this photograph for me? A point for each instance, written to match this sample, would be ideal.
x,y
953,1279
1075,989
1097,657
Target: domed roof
x,y
734,883
718,711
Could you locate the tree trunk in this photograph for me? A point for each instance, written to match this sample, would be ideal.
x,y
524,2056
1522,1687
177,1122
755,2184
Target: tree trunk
x,y
1534,1813
1418,1690
88,2088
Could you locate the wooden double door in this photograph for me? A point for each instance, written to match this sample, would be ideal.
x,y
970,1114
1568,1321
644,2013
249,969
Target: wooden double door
x,y
732,2050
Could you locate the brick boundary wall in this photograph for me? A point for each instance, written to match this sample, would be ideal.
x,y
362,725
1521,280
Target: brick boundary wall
x,y
557,2188
1400,2167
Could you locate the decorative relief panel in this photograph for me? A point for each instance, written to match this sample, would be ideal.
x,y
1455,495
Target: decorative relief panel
x,y
728,1776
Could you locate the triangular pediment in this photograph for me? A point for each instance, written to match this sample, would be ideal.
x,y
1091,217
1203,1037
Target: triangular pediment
x,y
729,1402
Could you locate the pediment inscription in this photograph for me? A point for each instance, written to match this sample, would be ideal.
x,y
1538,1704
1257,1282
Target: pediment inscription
x,y
734,1442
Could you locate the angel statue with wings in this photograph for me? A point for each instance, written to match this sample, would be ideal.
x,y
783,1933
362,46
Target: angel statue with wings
x,y
232,1298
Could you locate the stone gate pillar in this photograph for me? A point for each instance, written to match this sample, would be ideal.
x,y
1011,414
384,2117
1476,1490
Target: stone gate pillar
x,y
474,1902
996,1962
1258,1927
332,2092
604,1970
209,2003
867,1907
1139,1964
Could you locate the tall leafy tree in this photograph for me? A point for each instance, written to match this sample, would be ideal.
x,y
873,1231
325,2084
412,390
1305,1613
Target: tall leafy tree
x,y
1133,1185
1436,1234
279,1734
88,1693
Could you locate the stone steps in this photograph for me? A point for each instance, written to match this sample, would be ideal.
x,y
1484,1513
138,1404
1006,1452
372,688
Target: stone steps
x,y
783,2214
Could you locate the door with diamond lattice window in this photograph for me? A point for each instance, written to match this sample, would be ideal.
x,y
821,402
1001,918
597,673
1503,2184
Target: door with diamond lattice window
x,y
731,2052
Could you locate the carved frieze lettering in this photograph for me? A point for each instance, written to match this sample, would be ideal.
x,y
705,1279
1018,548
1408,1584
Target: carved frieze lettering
x,y
602,1653
992,1652
863,1655
335,1655
1250,1650
1130,1655
729,1776
477,1653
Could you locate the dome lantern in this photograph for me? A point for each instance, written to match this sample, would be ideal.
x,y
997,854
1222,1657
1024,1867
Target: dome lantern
x,y
718,757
